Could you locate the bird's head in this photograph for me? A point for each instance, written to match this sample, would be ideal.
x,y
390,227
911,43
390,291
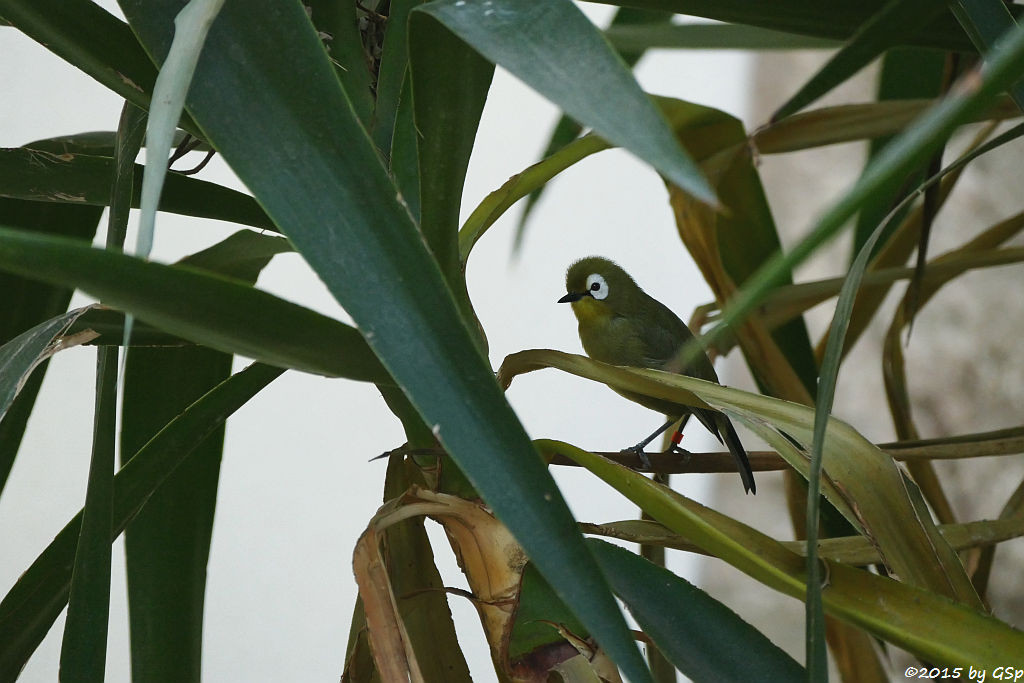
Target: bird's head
x,y
598,288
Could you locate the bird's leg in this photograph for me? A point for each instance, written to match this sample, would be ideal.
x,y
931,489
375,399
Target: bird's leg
x,y
638,449
677,438
676,449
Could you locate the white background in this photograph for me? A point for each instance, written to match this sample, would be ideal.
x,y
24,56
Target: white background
x,y
296,488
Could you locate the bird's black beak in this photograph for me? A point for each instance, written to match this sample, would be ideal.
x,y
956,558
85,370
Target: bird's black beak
x,y
572,296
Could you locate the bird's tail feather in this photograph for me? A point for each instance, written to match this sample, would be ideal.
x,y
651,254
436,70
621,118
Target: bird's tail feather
x,y
732,441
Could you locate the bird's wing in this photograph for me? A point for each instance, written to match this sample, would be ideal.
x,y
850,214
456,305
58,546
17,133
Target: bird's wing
x,y
663,339
709,418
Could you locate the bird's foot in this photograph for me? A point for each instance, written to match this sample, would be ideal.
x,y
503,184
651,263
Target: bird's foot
x,y
638,451
676,449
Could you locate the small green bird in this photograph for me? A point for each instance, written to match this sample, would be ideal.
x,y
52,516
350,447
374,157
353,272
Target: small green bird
x,y
620,324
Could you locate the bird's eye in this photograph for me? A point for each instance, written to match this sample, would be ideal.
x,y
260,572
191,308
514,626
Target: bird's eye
x,y
596,286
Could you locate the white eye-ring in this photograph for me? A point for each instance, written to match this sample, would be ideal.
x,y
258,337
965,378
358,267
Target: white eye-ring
x,y
596,286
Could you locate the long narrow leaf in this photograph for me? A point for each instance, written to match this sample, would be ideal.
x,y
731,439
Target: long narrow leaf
x,y
833,19
190,28
210,310
405,158
242,255
852,550
700,635
338,28
391,70
83,652
84,648
101,143
845,123
80,179
450,82
998,442
167,544
710,37
130,130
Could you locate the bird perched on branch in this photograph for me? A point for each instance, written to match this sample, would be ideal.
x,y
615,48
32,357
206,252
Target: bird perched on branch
x,y
620,324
